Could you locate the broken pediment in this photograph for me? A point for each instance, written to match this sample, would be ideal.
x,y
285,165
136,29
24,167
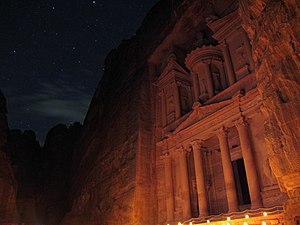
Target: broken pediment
x,y
225,26
172,71
200,112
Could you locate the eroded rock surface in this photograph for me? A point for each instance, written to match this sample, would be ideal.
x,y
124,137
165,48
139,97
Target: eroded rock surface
x,y
274,28
8,185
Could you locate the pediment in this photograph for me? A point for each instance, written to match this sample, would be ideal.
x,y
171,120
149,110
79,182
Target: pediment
x,y
219,24
201,112
174,67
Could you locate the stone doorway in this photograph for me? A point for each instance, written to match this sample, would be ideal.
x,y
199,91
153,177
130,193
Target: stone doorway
x,y
241,183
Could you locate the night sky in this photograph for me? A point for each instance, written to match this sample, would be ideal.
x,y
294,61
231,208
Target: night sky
x,y
52,54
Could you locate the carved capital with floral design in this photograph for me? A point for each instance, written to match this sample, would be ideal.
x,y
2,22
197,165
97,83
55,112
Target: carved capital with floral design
x,y
222,132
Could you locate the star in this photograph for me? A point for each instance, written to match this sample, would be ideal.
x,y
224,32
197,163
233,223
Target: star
x,y
94,2
74,48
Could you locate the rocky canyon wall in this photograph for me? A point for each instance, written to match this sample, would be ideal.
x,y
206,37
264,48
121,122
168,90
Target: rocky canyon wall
x,y
8,184
114,182
274,28
42,174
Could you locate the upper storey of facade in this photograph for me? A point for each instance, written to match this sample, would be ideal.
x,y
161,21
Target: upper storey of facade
x,y
215,66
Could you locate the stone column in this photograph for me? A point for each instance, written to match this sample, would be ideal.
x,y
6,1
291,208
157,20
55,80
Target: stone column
x,y
195,86
210,86
251,172
177,101
184,183
200,181
228,171
163,108
228,63
248,48
169,187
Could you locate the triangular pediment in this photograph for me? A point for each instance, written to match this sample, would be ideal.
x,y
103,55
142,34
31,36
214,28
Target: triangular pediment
x,y
201,112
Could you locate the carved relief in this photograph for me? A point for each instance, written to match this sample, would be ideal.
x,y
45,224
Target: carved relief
x,y
184,100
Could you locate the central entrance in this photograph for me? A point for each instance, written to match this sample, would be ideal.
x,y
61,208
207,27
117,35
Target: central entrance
x,y
241,182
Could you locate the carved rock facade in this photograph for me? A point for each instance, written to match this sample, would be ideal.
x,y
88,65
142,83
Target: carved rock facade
x,y
196,118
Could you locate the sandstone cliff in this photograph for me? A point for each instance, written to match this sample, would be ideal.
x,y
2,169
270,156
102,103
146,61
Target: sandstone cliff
x,y
42,173
57,171
8,185
274,28
114,180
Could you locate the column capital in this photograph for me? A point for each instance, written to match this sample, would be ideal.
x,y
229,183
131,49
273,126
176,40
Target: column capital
x,y
241,122
223,44
196,142
180,151
165,156
161,92
178,83
222,132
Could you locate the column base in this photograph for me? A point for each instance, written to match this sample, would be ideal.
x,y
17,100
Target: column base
x,y
292,208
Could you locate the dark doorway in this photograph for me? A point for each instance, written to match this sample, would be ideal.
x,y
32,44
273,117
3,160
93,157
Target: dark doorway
x,y
241,182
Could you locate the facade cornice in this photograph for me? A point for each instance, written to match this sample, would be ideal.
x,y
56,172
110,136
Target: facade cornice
x,y
244,106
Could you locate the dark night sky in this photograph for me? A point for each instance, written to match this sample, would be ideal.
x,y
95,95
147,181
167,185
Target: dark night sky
x,y
52,54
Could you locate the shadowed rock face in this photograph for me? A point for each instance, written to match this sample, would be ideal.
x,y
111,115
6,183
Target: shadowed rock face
x,y
58,150
43,173
8,186
26,158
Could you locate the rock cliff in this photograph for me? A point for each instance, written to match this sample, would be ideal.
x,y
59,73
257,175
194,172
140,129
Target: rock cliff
x,y
114,161
8,185
274,28
43,173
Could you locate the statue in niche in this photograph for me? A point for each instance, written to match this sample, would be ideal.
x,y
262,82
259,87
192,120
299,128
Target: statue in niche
x,y
242,59
216,77
203,85
170,105
203,91
184,100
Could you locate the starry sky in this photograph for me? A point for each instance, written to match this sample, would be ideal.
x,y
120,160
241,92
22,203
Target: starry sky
x,y
52,55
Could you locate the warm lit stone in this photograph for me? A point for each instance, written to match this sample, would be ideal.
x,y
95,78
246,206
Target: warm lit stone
x,y
223,72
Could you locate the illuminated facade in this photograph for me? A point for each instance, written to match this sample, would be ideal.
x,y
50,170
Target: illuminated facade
x,y
210,138
196,119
